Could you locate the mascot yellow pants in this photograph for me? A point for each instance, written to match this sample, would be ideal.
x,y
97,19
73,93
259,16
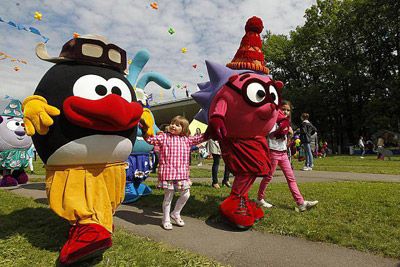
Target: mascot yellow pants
x,y
86,194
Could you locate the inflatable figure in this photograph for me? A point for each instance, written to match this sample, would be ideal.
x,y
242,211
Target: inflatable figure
x,y
240,104
85,114
141,159
14,144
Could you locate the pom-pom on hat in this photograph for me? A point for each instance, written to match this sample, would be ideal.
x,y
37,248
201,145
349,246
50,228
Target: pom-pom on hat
x,y
249,55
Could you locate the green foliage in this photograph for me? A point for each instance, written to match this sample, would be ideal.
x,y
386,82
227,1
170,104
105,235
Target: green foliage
x,y
342,67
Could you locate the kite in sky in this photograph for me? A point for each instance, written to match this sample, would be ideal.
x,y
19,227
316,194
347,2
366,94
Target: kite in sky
x,y
25,28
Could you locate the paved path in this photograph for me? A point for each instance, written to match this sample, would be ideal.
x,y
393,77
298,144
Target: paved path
x,y
249,248
312,176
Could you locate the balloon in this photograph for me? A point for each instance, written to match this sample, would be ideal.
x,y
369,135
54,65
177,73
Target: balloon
x,y
154,5
38,15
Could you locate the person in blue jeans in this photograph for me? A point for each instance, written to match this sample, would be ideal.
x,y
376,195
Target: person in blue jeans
x,y
306,131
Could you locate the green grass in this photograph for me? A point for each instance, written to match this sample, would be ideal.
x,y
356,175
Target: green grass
x,y
342,163
332,163
32,235
359,215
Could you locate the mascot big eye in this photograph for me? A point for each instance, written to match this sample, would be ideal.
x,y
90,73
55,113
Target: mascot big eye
x,y
83,118
240,104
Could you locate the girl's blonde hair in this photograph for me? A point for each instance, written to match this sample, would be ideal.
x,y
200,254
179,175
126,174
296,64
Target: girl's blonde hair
x,y
183,122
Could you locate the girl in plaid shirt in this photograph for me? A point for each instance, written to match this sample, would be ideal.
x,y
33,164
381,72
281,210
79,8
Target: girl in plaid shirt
x,y
173,168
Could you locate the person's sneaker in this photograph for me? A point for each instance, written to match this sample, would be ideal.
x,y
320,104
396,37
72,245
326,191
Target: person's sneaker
x,y
306,205
227,184
263,203
361,157
200,164
305,168
216,186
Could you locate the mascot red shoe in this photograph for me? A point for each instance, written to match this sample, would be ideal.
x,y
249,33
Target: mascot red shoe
x,y
83,118
240,104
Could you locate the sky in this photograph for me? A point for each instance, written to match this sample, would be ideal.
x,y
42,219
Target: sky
x,y
208,29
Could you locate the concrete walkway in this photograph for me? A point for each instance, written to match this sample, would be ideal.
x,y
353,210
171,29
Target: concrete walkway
x,y
249,248
309,176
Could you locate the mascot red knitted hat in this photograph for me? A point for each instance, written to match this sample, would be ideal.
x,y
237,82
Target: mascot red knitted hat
x,y
249,55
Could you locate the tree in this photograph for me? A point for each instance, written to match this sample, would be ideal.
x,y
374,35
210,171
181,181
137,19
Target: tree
x,y
342,67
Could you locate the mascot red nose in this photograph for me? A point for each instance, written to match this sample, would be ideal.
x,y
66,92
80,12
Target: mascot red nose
x,y
83,118
240,104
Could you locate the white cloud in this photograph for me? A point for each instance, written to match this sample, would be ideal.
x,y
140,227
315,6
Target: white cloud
x,y
208,29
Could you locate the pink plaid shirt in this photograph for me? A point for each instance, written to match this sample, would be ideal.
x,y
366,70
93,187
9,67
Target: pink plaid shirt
x,y
174,154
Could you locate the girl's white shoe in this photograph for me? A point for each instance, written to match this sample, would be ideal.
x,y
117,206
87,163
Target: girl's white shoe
x,y
177,219
167,225
263,203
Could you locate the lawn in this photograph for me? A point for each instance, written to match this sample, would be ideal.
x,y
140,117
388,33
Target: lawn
x,y
32,235
344,163
359,215
340,163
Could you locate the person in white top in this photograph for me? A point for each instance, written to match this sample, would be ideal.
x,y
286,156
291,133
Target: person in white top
x,y
277,141
361,146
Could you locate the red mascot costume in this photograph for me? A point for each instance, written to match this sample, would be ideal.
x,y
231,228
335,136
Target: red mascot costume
x,y
240,104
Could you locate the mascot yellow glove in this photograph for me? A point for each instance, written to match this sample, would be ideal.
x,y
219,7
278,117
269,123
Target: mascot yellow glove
x,y
37,115
147,119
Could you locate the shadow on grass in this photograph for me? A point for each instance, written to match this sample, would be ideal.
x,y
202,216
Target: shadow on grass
x,y
40,226
44,201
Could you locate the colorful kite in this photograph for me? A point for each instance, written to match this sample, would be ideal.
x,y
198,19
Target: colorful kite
x,y
38,15
171,30
184,50
12,59
25,28
194,66
154,5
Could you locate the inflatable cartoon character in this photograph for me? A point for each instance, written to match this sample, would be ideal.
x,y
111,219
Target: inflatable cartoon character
x,y
83,119
240,104
141,159
14,144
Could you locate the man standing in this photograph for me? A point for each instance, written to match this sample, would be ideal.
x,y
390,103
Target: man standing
x,y
361,146
306,131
